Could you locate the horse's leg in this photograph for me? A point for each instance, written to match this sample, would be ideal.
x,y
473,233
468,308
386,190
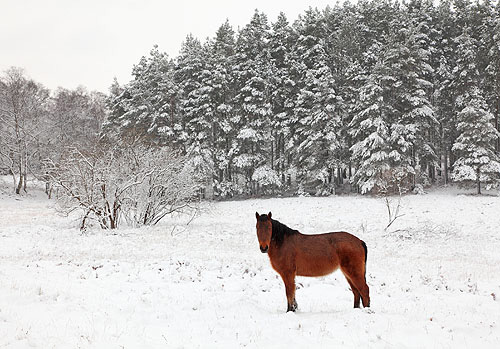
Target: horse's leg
x,y
356,276
289,280
364,290
357,295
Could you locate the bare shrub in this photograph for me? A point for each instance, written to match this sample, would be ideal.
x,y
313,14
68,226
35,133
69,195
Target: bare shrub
x,y
395,182
108,184
169,185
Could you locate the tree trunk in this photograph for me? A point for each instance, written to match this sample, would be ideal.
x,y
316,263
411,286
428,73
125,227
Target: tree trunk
x,y
497,142
478,174
445,161
20,183
272,151
25,179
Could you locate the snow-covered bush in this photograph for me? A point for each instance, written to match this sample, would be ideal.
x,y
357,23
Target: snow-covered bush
x,y
418,189
226,189
166,183
266,177
111,183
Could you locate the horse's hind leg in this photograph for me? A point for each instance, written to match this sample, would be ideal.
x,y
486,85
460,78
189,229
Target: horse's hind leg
x,y
357,295
356,278
365,292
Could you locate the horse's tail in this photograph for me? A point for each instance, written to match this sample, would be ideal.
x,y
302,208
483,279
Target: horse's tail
x,y
366,249
366,253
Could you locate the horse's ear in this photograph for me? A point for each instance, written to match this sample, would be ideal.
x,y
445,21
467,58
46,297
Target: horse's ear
x,y
257,215
269,215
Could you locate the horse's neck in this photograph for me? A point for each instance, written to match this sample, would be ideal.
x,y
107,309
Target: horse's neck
x,y
281,231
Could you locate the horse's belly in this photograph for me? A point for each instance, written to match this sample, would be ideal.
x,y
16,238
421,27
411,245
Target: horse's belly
x,y
314,266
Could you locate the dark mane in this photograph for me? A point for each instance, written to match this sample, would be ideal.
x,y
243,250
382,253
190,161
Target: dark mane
x,y
280,231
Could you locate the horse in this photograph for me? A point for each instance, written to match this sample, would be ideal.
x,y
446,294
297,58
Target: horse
x,y
292,253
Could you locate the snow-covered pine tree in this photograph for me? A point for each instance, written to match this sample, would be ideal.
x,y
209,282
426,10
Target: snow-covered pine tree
x,y
317,112
477,160
252,107
492,78
283,94
220,61
397,112
475,144
193,76
145,108
370,129
346,39
415,125
378,18
423,17
443,61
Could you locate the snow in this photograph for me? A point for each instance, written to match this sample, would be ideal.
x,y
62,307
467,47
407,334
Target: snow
x,y
434,277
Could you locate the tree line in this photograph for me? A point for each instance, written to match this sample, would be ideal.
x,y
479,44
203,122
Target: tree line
x,y
37,124
362,97
372,94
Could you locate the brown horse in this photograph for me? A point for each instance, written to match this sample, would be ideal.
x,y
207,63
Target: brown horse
x,y
292,253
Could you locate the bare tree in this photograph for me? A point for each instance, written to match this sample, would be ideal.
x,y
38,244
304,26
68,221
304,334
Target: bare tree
x,y
22,105
75,120
393,185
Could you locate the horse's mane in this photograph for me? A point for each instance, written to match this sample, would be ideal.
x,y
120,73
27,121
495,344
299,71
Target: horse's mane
x,y
280,231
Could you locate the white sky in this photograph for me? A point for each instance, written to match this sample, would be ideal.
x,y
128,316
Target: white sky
x,y
88,42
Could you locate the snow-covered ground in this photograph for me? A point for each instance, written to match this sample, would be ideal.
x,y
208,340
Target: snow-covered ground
x,y
434,278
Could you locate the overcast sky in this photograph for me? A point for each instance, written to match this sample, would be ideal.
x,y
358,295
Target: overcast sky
x,y
69,43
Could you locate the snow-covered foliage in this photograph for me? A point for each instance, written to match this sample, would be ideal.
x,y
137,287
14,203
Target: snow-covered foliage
x,y
109,184
22,125
266,177
345,96
478,162
146,107
355,92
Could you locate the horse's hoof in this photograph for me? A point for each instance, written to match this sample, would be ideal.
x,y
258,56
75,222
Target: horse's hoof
x,y
292,307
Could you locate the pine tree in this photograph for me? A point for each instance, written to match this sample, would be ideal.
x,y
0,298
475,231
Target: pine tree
x,y
477,160
146,108
416,122
221,58
347,36
492,79
193,76
253,110
444,58
317,115
370,128
283,94
395,95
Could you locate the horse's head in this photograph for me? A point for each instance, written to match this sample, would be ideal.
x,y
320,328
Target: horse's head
x,y
264,230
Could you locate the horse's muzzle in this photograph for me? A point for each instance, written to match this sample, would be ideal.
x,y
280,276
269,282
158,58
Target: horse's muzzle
x,y
264,249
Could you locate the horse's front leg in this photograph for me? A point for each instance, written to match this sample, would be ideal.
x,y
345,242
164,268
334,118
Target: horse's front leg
x,y
289,280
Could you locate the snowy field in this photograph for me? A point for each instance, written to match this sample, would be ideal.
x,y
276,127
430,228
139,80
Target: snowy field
x,y
434,278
